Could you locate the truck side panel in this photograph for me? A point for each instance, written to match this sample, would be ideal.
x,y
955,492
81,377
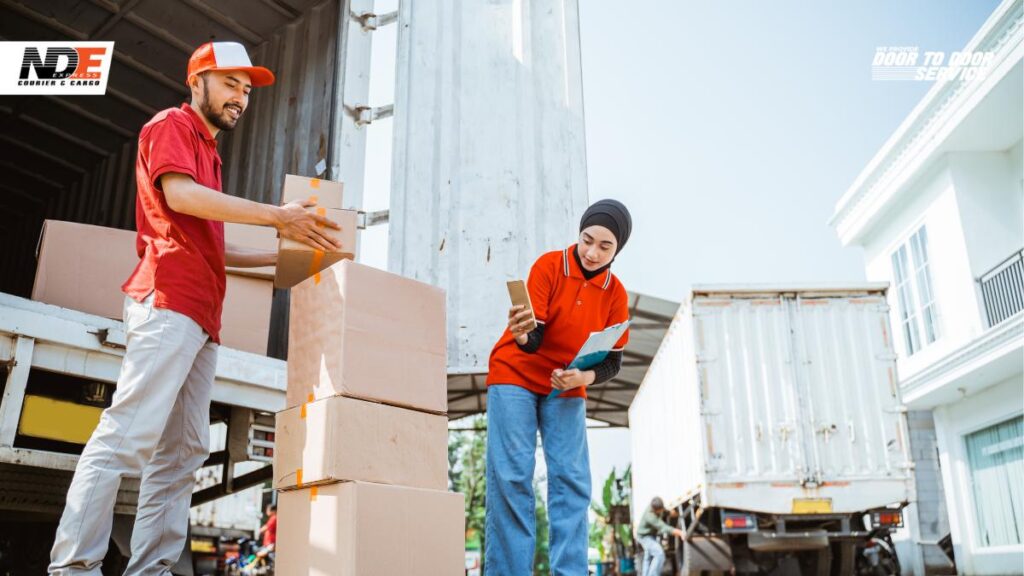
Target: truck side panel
x,y
665,423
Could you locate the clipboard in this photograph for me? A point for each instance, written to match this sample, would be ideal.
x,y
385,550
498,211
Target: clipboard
x,y
595,349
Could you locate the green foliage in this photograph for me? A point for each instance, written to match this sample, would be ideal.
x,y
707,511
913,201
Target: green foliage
x,y
541,556
611,540
467,474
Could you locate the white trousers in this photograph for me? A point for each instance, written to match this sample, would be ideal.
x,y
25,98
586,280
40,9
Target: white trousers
x,y
158,426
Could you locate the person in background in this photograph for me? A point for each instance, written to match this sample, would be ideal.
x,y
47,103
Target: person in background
x,y
651,528
269,530
269,533
573,293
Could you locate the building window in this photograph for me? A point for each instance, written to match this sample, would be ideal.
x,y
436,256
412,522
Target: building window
x,y
995,456
919,316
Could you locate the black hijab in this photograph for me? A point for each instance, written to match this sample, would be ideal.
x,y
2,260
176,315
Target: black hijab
x,y
612,215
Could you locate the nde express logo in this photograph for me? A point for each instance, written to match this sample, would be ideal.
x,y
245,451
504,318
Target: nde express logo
x,y
57,68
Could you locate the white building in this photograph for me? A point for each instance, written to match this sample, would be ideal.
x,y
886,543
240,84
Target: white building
x,y
939,212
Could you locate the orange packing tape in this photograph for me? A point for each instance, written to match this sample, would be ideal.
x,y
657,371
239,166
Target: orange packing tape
x,y
314,265
312,494
309,398
314,182
298,478
302,412
314,198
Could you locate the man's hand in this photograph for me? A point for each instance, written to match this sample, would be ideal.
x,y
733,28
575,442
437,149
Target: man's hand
x,y
296,223
292,220
678,533
519,321
569,379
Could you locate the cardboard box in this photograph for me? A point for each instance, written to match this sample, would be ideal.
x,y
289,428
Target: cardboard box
x,y
82,267
324,192
348,439
360,529
245,319
365,333
254,237
297,261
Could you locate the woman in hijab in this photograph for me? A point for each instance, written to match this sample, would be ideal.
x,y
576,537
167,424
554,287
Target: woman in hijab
x,y
573,293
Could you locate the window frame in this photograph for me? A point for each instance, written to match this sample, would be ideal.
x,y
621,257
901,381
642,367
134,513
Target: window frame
x,y
970,505
910,263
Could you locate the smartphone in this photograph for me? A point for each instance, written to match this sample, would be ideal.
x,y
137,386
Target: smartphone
x,y
521,297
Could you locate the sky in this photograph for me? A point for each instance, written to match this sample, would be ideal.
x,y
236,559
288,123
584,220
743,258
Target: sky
x,y
730,129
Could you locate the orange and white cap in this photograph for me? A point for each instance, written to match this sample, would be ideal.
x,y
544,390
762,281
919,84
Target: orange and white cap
x,y
227,56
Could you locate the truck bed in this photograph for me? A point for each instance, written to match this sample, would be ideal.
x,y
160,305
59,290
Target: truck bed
x,y
40,337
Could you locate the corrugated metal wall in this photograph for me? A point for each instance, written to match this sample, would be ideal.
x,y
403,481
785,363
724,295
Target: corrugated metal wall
x,y
81,165
286,129
104,196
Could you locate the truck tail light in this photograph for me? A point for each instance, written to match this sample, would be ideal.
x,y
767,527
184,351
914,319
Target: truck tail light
x,y
733,522
887,519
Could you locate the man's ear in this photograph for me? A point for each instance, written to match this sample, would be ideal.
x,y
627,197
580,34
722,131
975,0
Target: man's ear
x,y
194,87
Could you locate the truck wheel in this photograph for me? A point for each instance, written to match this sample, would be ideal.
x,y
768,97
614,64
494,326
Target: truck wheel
x,y
685,560
681,561
703,555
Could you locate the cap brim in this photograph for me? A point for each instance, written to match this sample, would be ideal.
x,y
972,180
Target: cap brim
x,y
258,75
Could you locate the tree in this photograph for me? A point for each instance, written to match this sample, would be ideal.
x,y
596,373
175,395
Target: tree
x,y
611,534
467,474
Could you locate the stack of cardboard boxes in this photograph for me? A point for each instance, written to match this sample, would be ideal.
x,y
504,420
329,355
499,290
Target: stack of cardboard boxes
x,y
361,457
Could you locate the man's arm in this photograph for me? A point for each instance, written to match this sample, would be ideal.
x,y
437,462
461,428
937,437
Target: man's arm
x,y
651,523
241,257
663,528
666,529
186,196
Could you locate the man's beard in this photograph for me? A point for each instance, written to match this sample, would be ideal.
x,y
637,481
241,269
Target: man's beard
x,y
222,121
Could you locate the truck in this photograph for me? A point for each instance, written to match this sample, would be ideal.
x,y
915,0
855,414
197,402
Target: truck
x,y
58,368
771,425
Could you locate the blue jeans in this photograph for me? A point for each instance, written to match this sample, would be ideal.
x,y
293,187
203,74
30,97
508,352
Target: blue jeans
x,y
514,416
654,556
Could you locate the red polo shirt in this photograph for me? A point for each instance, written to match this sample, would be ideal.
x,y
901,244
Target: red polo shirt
x,y
181,256
270,536
570,307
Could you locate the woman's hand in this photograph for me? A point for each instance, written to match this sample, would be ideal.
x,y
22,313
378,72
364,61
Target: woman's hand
x,y
520,322
569,379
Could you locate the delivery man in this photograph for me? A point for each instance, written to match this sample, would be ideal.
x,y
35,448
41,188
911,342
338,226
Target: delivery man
x,y
573,293
648,533
158,423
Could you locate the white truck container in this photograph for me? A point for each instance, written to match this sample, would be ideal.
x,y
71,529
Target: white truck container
x,y
771,422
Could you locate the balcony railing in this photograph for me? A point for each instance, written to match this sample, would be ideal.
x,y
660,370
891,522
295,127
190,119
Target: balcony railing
x,y
1002,289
